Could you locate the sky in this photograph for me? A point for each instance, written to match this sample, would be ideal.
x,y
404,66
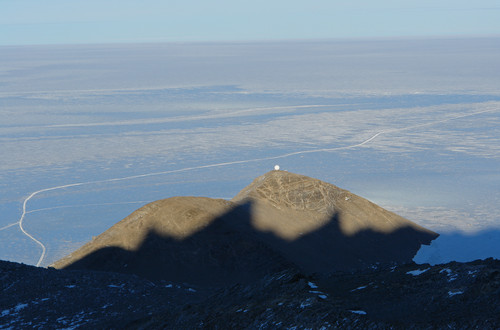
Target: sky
x,y
27,22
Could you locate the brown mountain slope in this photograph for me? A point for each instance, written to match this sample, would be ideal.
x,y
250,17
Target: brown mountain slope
x,y
329,228
279,221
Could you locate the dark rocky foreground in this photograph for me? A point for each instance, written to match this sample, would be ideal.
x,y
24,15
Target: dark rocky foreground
x,y
455,295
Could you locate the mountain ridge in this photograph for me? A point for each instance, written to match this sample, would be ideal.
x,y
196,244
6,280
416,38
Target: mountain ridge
x,y
280,220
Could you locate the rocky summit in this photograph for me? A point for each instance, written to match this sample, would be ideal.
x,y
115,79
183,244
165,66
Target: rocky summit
x,y
287,252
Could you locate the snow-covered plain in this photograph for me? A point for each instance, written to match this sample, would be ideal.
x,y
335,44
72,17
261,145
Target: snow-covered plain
x,y
96,131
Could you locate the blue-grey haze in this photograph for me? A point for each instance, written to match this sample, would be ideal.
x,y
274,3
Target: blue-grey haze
x,y
158,116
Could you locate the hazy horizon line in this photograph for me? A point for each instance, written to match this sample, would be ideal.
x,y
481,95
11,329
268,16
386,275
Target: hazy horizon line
x,y
261,41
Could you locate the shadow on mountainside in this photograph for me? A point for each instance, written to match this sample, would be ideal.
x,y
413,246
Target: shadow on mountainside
x,y
230,250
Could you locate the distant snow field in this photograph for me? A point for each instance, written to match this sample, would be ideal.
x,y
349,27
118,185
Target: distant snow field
x,y
98,131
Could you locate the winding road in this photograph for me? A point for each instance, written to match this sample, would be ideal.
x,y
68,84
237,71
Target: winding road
x,y
21,220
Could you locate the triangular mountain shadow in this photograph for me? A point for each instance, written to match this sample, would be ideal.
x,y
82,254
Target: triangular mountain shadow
x,y
217,255
235,244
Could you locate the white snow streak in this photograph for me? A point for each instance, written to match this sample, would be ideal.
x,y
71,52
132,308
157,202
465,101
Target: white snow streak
x,y
417,272
454,293
80,205
9,225
360,288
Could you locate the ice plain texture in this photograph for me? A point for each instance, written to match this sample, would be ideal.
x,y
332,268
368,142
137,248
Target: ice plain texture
x,y
96,131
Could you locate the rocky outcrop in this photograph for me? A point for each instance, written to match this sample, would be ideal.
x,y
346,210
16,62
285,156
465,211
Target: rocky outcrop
x,y
280,221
